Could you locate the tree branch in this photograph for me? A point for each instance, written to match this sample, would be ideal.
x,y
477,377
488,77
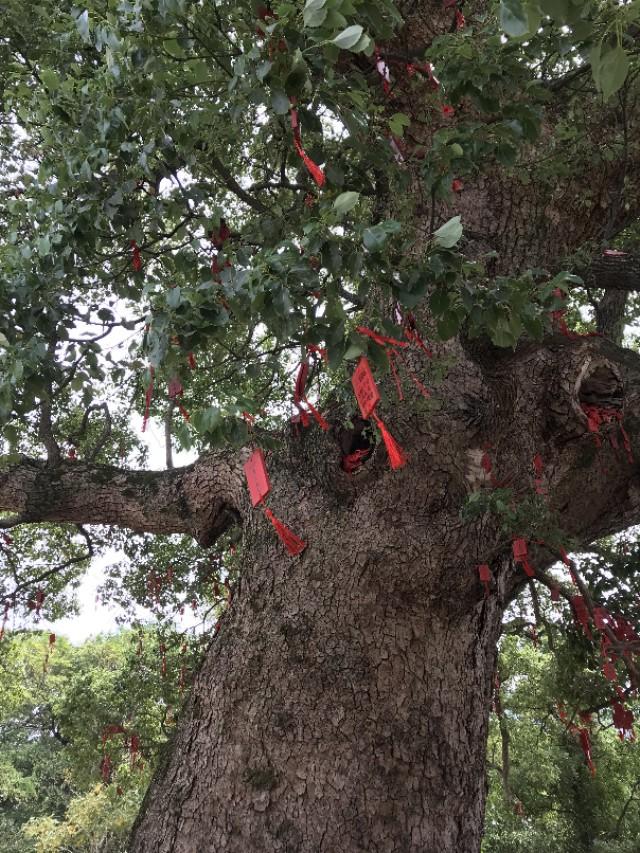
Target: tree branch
x,y
201,500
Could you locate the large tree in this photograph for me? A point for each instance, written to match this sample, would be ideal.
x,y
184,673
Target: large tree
x,y
199,198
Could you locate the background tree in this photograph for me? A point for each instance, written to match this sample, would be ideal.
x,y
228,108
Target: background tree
x,y
200,198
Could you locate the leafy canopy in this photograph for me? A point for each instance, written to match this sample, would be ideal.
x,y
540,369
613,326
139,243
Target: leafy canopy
x,y
136,132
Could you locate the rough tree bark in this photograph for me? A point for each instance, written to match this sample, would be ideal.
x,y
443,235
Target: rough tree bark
x,y
343,705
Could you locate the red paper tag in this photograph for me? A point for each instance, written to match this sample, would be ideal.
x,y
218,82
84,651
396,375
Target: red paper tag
x,y
255,471
365,388
519,550
485,572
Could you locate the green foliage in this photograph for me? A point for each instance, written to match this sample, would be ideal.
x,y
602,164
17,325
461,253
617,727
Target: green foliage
x,y
552,803
136,134
56,703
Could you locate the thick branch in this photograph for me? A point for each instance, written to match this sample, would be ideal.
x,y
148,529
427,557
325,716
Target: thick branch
x,y
619,271
201,500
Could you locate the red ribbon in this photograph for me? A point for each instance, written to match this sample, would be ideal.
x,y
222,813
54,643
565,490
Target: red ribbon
x,y
136,260
521,555
355,460
292,543
314,170
383,340
397,456
484,572
597,416
259,487
368,397
581,614
299,398
221,235
585,743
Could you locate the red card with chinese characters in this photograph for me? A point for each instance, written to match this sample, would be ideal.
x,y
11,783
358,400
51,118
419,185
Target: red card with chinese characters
x,y
255,470
365,388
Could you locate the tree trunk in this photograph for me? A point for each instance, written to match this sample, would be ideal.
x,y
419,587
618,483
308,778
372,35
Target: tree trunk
x,y
343,705
337,711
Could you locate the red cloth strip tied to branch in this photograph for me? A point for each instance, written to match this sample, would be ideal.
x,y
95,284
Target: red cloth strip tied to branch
x,y
314,170
597,416
581,614
623,721
368,397
299,397
255,470
538,481
585,743
393,354
136,260
412,334
175,391
484,573
521,555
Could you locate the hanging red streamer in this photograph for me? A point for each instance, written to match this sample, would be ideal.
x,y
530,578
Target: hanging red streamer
x,y
484,573
292,543
521,555
136,260
220,235
175,390
368,397
597,416
255,470
397,457
355,460
382,340
581,614
299,398
585,743
623,721
412,334
314,170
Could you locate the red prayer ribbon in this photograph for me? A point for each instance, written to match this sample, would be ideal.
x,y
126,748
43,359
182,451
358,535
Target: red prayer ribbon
x,y
255,470
368,397
314,170
136,260
299,397
581,614
521,555
484,573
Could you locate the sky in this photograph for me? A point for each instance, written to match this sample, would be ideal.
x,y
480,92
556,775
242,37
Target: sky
x,y
96,616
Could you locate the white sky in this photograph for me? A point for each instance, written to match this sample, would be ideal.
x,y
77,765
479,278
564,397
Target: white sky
x,y
98,617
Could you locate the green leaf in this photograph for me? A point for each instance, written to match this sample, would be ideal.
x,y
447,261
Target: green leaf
x,y
375,237
514,19
280,102
449,233
174,297
398,122
314,17
44,246
49,78
348,38
448,325
440,301
612,71
346,201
